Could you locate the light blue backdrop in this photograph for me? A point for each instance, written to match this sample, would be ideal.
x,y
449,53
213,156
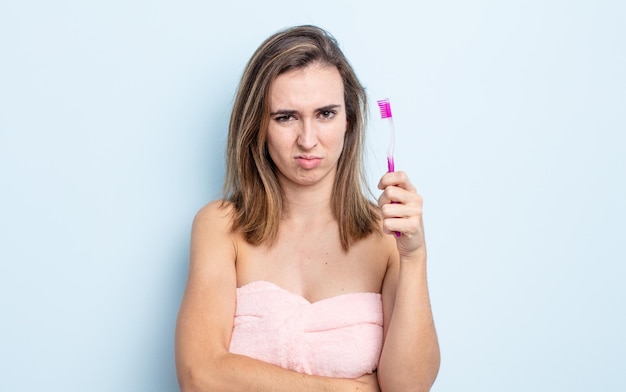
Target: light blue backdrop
x,y
510,118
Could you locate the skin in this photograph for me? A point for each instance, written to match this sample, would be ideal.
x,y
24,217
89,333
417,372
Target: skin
x,y
307,126
305,139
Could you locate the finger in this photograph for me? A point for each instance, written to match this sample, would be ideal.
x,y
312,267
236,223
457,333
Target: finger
x,y
399,179
395,194
409,228
395,210
401,217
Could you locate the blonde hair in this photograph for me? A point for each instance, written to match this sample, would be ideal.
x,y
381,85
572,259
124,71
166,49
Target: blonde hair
x,y
251,183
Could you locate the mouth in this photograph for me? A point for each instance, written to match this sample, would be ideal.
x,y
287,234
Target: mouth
x,y
308,161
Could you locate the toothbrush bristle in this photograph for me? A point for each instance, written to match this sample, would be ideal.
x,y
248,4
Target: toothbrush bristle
x,y
385,108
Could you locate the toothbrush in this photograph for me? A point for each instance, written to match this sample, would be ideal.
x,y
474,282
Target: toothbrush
x,y
385,114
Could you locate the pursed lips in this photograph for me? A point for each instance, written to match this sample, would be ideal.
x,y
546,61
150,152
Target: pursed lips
x,y
308,161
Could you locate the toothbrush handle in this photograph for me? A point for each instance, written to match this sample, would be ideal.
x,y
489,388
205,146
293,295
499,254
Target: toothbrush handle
x,y
390,167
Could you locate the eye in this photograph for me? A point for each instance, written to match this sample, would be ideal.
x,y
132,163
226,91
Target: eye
x,y
327,114
284,118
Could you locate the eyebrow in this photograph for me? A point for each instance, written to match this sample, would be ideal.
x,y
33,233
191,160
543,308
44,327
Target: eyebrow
x,y
287,112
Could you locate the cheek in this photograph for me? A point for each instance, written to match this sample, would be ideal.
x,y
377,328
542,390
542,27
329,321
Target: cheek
x,y
271,150
340,136
276,145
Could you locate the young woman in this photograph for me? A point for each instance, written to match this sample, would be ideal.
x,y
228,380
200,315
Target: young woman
x,y
297,282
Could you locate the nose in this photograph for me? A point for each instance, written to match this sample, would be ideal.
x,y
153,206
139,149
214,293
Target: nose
x,y
307,138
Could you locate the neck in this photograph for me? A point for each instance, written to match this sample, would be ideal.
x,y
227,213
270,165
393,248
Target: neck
x,y
308,204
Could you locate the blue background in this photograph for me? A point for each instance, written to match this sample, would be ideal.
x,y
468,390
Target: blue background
x,y
509,118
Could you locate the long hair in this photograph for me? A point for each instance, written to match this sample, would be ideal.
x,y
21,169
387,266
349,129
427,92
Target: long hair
x,y
251,182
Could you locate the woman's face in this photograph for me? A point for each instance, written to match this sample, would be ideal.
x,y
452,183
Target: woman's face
x,y
307,124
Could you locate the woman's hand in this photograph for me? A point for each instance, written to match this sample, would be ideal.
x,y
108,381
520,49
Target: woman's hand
x,y
401,209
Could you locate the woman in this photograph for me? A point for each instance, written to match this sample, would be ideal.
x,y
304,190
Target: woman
x,y
296,280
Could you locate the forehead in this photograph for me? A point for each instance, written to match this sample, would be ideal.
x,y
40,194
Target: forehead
x,y
310,87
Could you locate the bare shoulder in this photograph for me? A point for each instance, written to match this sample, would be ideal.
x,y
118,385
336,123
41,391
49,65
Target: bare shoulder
x,y
211,237
386,244
215,213
381,251
390,257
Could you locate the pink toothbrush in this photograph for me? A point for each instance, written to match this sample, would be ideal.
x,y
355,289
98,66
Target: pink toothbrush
x,y
385,114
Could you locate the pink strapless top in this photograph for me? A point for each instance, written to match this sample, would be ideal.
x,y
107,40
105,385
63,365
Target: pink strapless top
x,y
335,337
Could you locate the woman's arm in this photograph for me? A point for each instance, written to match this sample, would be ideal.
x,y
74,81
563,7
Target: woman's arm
x,y
205,323
410,356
